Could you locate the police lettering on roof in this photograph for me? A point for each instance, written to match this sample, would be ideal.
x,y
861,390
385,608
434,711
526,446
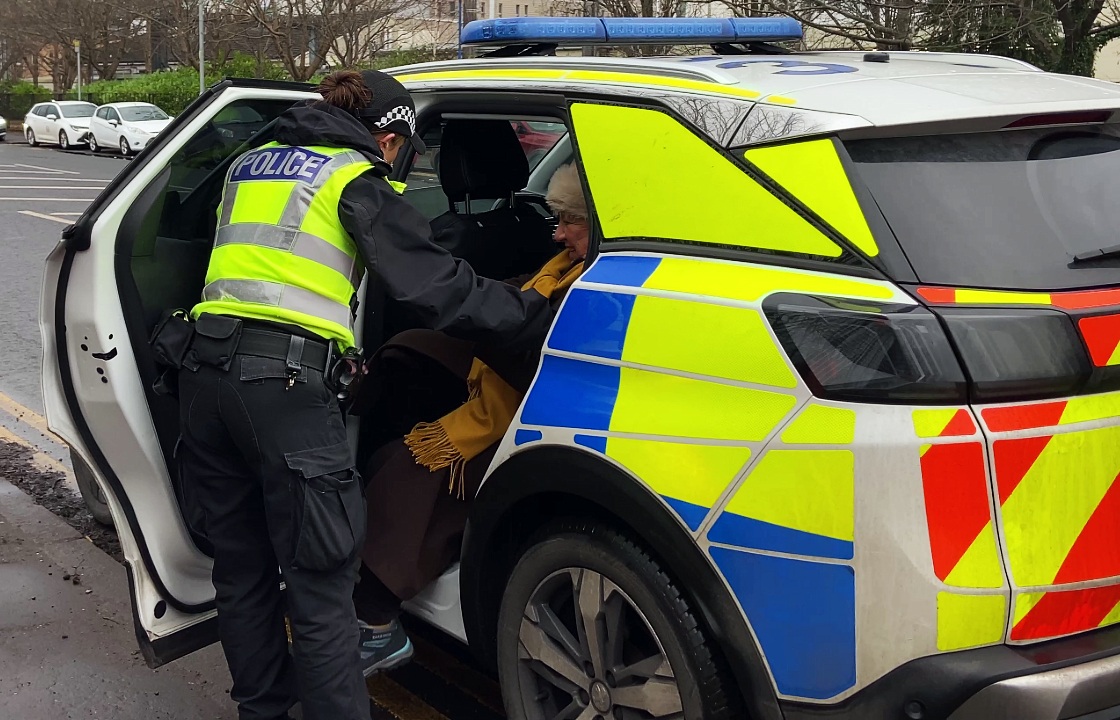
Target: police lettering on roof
x,y
279,164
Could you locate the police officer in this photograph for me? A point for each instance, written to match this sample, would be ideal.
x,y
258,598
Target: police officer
x,y
263,441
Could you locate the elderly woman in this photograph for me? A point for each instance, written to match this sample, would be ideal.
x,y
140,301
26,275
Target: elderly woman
x,y
420,486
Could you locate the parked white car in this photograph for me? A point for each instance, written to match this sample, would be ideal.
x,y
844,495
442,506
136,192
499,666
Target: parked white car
x,y
61,122
3,128
128,126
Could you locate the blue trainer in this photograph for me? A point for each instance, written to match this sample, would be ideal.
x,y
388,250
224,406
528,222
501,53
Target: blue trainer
x,y
383,649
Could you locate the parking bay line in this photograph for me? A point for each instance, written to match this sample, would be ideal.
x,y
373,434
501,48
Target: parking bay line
x,y
50,187
47,169
43,199
32,213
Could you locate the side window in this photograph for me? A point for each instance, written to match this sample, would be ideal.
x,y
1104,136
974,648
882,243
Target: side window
x,y
114,115
197,171
225,133
53,110
536,138
636,197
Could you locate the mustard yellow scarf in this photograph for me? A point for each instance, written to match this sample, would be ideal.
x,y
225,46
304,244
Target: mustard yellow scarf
x,y
482,420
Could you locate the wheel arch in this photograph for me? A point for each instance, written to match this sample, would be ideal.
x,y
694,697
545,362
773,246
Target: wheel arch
x,y
537,485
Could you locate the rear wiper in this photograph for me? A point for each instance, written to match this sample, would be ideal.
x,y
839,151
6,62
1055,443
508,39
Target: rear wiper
x,y
1105,253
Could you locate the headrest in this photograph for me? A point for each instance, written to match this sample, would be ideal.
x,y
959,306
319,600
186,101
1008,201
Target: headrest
x,y
482,158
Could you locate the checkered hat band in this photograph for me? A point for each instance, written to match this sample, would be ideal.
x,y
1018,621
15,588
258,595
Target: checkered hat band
x,y
400,112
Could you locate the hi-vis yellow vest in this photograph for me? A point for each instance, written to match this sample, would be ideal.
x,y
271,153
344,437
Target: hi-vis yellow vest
x,y
280,253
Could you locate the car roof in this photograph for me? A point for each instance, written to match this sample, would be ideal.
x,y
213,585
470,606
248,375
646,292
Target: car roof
x,y
70,102
878,89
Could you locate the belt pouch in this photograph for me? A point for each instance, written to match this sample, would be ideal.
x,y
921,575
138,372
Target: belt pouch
x,y
171,340
216,340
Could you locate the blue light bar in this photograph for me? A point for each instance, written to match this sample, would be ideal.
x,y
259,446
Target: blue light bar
x,y
629,31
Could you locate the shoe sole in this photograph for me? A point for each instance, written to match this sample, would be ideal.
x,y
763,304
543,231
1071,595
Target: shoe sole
x,y
395,660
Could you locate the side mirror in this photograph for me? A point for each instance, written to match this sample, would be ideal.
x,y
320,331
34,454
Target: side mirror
x,y
52,117
114,123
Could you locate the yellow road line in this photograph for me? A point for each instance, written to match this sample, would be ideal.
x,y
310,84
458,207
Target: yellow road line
x,y
481,688
27,416
390,696
32,213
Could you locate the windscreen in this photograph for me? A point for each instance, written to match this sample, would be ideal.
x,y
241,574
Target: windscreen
x,y
1008,209
78,111
142,114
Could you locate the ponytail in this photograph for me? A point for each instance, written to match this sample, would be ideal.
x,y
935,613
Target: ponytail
x,y
345,90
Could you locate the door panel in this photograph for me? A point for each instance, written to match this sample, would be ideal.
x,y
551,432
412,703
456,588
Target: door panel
x,y
98,307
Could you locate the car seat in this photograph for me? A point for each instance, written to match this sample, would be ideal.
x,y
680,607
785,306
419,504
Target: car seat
x,y
482,160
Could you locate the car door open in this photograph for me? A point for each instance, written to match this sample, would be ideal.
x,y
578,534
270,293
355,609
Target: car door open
x,y
141,248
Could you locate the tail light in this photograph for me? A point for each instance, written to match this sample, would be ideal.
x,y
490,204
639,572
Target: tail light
x,y
882,353
1018,354
867,352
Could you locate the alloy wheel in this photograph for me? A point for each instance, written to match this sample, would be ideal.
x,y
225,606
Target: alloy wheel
x,y
31,138
124,147
63,140
587,652
93,146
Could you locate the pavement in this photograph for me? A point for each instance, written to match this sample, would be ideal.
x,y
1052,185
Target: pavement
x,y
67,649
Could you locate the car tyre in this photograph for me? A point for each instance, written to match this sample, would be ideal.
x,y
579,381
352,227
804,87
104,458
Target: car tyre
x,y
93,146
91,491
654,659
124,148
63,140
31,138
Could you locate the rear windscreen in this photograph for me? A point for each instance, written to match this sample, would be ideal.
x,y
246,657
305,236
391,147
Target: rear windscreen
x,y
1005,209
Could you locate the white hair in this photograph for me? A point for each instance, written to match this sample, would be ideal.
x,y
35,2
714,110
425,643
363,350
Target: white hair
x,y
565,192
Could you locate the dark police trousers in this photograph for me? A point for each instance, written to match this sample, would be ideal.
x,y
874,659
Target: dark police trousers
x,y
270,467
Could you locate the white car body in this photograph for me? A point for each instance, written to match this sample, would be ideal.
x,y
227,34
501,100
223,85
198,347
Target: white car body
x,y
3,127
120,125
58,122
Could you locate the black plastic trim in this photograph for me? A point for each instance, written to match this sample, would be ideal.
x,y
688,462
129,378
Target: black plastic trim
x,y
942,683
182,643
598,489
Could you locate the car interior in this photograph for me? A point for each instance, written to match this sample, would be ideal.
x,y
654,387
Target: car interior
x,y
475,185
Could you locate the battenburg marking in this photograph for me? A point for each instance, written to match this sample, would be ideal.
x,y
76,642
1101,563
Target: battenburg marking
x,y
287,163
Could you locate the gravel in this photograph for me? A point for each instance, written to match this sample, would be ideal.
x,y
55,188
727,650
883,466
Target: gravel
x,y
50,490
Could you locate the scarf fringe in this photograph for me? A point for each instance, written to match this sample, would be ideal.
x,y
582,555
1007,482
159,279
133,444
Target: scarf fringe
x,y
433,449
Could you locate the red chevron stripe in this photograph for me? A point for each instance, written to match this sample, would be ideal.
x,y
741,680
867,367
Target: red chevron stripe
x,y
1013,458
1096,554
956,491
1102,335
961,424
1024,417
1061,613
1086,300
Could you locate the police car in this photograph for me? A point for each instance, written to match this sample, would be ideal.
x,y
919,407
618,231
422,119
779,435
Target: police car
x,y
829,427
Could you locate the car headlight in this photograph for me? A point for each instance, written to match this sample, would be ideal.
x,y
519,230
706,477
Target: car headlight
x,y
77,128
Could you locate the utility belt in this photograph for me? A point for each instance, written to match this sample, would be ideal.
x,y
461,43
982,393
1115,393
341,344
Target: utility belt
x,y
214,340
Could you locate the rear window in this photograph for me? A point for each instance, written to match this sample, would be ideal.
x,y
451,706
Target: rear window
x,y
1004,209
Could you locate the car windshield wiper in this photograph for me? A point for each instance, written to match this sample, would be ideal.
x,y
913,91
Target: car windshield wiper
x,y
1105,253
